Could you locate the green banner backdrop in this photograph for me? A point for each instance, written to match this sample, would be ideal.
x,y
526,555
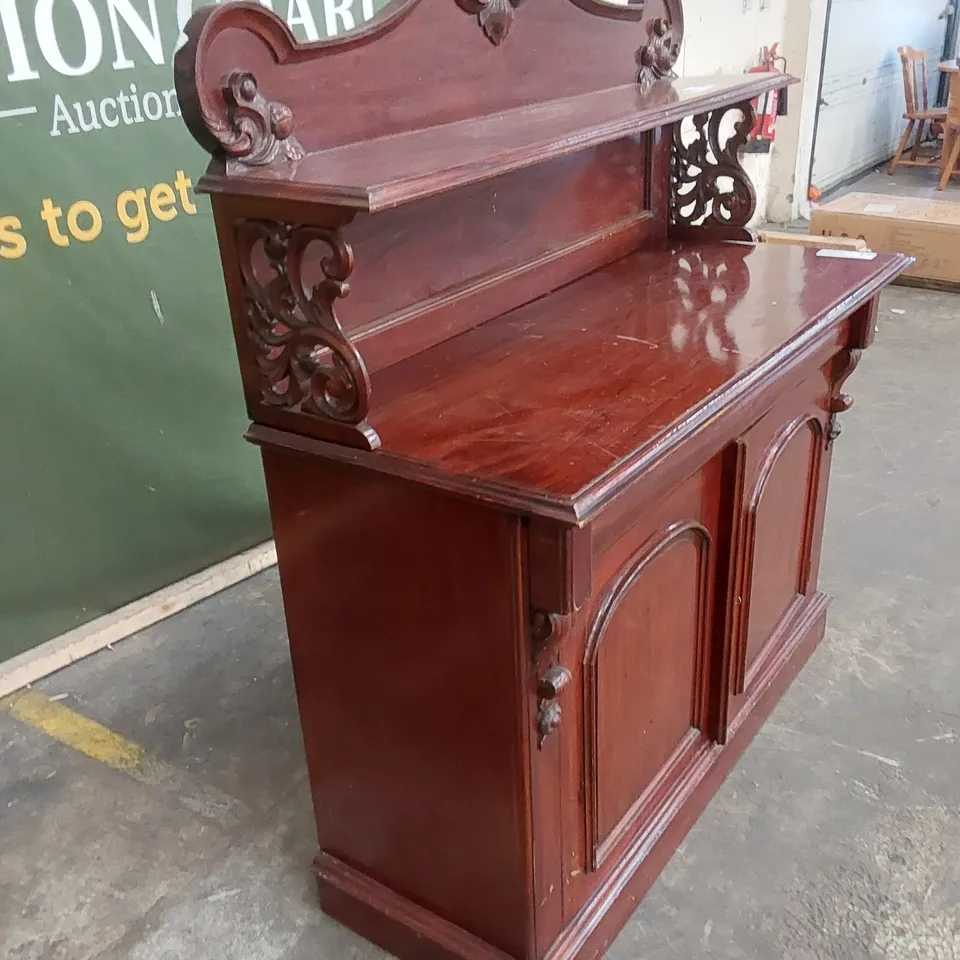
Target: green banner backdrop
x,y
122,465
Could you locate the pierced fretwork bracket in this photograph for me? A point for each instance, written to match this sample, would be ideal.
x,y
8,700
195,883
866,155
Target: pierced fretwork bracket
x,y
305,362
710,191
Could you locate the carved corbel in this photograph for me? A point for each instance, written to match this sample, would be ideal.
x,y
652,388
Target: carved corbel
x,y
697,168
843,366
305,362
553,682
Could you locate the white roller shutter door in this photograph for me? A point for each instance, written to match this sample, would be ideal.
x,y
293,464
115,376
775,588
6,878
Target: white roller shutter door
x,y
861,100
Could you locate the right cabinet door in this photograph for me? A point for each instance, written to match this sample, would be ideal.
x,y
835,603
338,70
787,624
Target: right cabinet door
x,y
776,602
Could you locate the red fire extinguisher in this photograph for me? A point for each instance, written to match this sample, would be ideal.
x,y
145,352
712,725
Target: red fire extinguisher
x,y
773,103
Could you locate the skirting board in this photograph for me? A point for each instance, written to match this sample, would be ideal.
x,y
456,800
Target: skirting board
x,y
55,654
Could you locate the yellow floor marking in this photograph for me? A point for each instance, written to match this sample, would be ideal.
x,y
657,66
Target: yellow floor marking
x,y
94,740
75,730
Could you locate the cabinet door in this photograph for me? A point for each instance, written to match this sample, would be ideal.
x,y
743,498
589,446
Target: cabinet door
x,y
642,654
696,598
785,468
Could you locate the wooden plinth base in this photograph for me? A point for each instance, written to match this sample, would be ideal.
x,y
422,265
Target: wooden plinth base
x,y
413,933
390,920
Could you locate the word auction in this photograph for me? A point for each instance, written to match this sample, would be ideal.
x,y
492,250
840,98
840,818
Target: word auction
x,y
124,108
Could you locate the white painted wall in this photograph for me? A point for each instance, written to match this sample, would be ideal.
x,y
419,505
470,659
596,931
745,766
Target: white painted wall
x,y
726,36
790,164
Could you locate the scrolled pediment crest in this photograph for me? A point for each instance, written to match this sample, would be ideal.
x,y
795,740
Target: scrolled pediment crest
x,y
236,112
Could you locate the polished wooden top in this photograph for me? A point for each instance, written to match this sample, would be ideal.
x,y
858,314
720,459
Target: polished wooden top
x,y
950,66
557,393
383,172
559,403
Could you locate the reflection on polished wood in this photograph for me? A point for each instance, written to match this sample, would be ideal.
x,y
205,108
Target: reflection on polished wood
x,y
626,362
546,454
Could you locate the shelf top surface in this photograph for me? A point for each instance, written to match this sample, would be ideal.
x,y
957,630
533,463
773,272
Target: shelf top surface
x,y
388,171
555,397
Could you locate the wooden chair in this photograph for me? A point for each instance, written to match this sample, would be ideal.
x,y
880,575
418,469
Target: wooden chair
x,y
918,113
951,138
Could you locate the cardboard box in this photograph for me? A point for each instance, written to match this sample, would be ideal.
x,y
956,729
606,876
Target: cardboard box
x,y
926,229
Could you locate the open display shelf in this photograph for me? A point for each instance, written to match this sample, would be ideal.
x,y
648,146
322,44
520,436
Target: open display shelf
x,y
383,172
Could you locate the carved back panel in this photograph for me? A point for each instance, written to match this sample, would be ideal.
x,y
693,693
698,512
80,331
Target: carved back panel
x,y
416,64
429,270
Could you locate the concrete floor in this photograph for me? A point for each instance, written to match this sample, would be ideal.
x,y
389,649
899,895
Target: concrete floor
x,y
837,836
906,182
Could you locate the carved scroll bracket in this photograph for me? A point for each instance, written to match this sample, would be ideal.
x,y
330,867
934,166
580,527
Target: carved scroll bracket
x,y
658,56
305,362
710,190
254,132
843,366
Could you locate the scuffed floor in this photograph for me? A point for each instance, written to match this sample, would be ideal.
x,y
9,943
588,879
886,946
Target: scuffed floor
x,y
836,838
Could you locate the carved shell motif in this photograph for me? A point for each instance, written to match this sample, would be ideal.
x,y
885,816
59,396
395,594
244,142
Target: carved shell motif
x,y
495,16
656,58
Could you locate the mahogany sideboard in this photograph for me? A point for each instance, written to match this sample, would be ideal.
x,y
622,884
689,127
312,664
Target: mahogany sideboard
x,y
548,487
